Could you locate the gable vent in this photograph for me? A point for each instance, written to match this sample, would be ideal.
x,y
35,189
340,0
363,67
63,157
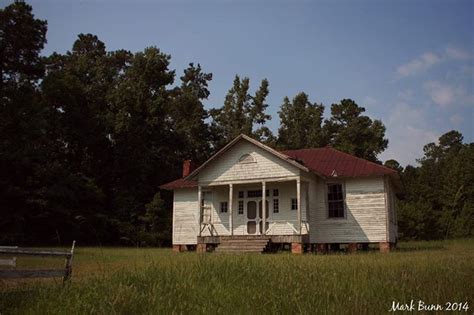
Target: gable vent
x,y
246,158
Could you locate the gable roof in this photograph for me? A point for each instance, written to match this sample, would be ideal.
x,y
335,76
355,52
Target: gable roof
x,y
253,141
325,162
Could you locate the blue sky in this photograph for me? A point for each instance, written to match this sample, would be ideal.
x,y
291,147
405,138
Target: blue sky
x,y
410,63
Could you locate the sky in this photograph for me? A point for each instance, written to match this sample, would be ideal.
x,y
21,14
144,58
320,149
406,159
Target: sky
x,y
409,63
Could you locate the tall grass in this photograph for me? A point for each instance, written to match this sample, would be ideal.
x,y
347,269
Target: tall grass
x,y
134,281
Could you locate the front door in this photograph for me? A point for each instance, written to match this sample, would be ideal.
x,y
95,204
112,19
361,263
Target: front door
x,y
254,219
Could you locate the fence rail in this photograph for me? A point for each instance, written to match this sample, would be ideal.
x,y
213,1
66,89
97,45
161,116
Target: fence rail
x,y
65,272
8,262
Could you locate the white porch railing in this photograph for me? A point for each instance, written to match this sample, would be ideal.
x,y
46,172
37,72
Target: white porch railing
x,y
287,225
274,223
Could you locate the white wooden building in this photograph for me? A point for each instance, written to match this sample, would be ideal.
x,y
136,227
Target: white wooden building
x,y
249,196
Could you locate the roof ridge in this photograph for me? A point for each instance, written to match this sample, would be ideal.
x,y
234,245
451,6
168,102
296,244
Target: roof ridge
x,y
290,150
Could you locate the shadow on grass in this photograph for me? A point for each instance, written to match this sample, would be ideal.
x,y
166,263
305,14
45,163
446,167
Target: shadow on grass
x,y
420,248
11,300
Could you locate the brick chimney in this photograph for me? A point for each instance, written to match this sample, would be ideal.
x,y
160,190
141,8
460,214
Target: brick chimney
x,y
188,167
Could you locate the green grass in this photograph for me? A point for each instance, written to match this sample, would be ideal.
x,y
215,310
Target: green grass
x,y
136,281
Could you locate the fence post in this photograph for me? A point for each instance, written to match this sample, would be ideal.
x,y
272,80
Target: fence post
x,y
68,267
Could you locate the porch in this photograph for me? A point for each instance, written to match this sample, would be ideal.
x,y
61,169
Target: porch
x,y
277,210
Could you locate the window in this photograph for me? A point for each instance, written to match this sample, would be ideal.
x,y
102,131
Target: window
x,y
276,206
275,192
224,207
254,193
246,158
241,194
335,201
241,207
294,204
257,193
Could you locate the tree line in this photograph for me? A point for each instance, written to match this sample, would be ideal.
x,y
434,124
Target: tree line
x,y
87,137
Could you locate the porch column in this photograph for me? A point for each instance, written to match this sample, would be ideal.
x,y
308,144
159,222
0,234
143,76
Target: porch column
x,y
231,223
264,207
200,208
298,203
307,207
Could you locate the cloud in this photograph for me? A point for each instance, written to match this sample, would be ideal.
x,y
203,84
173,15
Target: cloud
x,y
419,64
441,94
456,53
446,95
408,131
429,59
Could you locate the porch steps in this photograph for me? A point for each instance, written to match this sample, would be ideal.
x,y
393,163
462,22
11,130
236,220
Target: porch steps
x,y
242,245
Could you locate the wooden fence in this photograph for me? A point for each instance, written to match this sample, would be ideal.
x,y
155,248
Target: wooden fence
x,y
65,272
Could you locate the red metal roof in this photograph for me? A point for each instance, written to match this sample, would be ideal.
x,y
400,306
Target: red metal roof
x,y
330,162
179,183
326,162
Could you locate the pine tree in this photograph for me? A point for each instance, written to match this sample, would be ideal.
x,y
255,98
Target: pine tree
x,y
350,131
300,123
242,114
188,116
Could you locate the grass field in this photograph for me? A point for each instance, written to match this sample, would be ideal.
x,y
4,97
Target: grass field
x,y
137,281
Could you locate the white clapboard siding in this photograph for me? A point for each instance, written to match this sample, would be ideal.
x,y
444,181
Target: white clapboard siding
x,y
392,211
394,231
365,219
219,220
185,216
227,167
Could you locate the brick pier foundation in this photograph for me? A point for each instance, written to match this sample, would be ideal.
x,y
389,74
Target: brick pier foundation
x,y
385,247
179,248
296,248
201,248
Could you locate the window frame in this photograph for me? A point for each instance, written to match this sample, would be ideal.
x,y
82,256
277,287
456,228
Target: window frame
x,y
277,208
277,192
241,194
247,158
241,203
258,193
343,191
226,208
294,201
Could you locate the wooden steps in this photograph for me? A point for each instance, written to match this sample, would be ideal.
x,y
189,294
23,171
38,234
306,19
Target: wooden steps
x,y
242,244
